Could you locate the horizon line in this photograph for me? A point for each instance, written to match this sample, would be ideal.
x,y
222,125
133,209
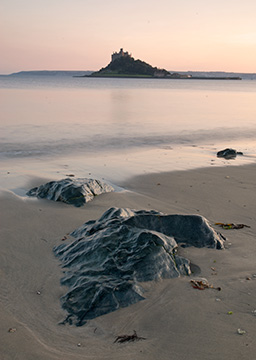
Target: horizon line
x,y
171,71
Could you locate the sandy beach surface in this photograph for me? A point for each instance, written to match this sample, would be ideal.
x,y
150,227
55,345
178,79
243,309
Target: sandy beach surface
x,y
177,321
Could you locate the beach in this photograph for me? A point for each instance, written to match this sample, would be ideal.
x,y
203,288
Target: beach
x,y
127,180
176,320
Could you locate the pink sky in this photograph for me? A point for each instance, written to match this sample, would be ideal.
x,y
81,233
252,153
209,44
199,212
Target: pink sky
x,y
173,34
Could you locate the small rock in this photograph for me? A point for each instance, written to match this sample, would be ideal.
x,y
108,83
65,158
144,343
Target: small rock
x,y
228,153
11,330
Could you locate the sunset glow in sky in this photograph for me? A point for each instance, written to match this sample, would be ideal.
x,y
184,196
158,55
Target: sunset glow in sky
x,y
177,35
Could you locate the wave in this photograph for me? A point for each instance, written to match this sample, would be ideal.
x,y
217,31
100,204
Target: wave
x,y
100,143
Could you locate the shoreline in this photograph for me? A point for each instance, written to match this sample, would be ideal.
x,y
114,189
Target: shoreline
x,y
161,78
118,166
175,319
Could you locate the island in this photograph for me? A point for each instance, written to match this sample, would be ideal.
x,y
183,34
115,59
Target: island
x,y
123,65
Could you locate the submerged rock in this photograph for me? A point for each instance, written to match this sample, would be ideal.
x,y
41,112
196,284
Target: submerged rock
x,y
228,153
70,191
111,256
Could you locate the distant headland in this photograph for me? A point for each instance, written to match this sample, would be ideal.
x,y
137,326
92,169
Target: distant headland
x,y
123,65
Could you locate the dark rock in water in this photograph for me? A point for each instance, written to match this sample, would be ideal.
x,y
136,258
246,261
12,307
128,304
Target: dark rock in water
x,y
76,192
229,153
111,255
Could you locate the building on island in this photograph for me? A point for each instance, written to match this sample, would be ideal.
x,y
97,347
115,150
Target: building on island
x,y
121,53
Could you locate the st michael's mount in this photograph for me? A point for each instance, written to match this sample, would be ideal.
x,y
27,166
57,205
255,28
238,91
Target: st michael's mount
x,y
123,65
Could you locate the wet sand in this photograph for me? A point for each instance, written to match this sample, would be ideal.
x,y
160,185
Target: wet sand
x,y
178,321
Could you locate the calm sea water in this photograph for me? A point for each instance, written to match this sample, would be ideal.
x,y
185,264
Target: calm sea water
x,y
116,128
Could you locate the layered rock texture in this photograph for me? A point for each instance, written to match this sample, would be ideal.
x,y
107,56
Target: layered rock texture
x,y
70,191
111,256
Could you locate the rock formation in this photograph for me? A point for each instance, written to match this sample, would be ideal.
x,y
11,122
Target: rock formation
x,y
228,153
70,191
111,256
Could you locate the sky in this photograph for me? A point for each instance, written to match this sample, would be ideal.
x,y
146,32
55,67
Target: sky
x,y
178,35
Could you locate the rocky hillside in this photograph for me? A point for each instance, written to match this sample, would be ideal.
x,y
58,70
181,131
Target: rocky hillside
x,y
128,66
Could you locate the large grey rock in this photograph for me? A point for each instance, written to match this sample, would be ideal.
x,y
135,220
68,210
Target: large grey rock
x,y
76,192
111,256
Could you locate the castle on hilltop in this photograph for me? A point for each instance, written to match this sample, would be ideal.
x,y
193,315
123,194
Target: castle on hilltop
x,y
121,53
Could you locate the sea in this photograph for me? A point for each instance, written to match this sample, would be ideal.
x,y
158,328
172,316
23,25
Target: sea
x,y
108,128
